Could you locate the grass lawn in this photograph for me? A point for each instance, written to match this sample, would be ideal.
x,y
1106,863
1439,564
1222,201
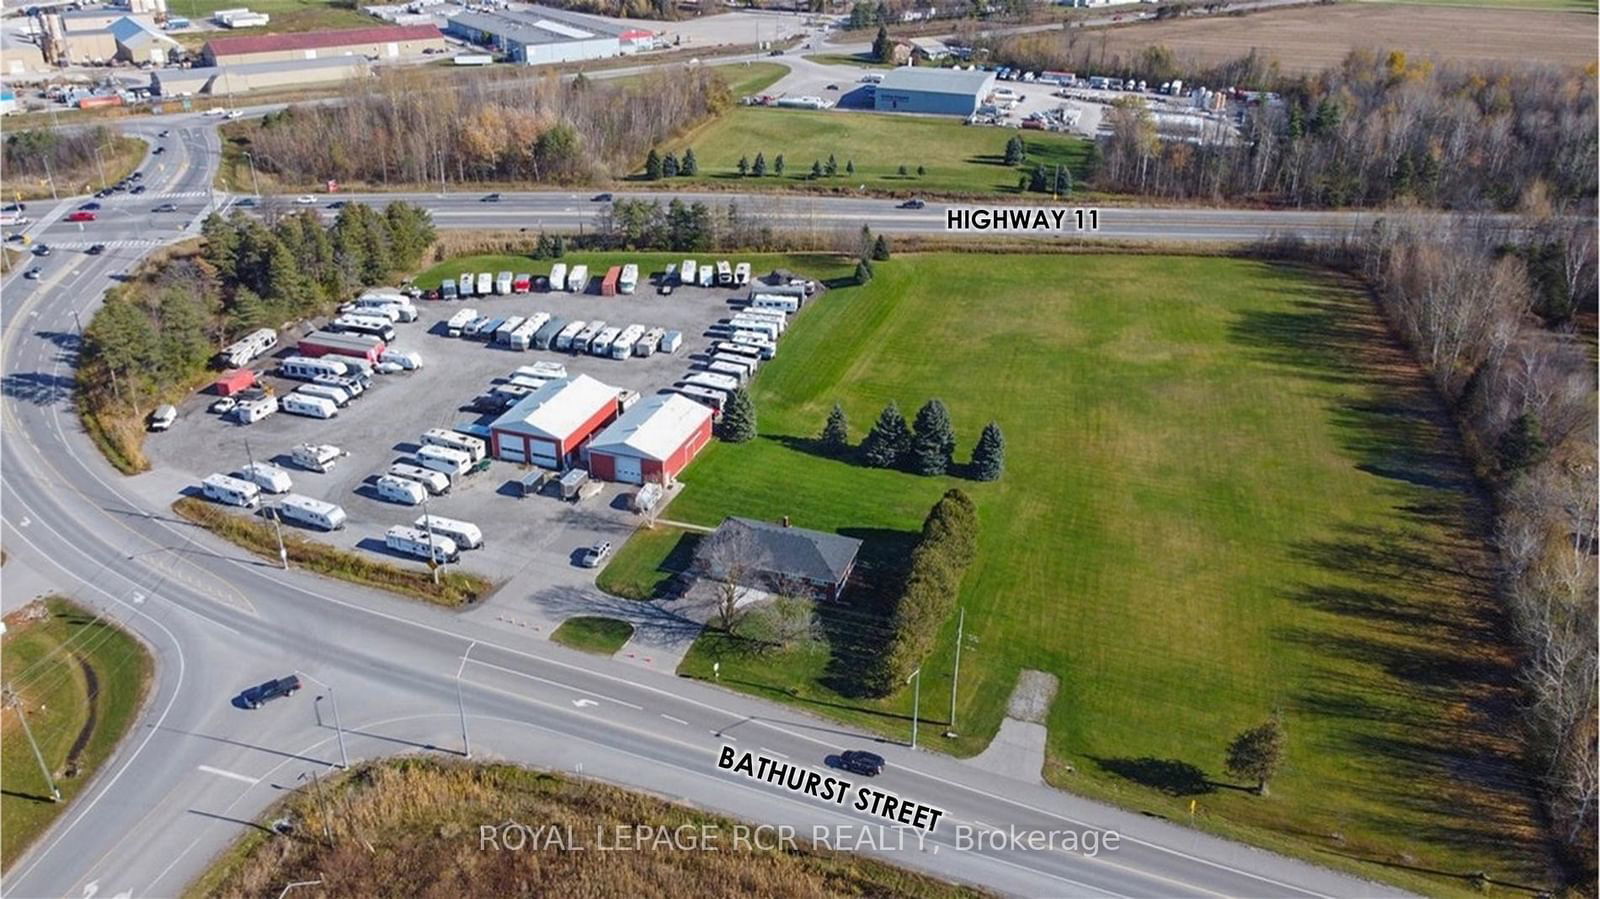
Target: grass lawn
x,y
959,158
646,565
81,681
287,16
602,636
1227,492
746,78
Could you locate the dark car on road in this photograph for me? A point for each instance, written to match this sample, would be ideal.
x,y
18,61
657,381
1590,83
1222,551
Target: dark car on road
x,y
259,695
245,202
41,250
858,761
491,198
158,151
602,198
33,274
97,249
913,203
137,189
90,205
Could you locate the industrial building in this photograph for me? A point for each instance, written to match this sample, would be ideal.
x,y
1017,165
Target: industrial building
x,y
382,42
652,441
139,41
550,426
18,57
539,35
92,36
227,80
956,92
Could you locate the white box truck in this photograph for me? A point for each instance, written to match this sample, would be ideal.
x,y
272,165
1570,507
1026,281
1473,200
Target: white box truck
x,y
465,534
309,406
220,488
268,477
318,457
437,482
417,543
311,512
400,490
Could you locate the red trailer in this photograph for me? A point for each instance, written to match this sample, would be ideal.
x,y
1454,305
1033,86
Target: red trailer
x,y
322,343
608,285
522,284
234,381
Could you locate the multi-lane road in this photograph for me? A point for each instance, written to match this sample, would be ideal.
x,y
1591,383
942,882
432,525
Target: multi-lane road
x,y
196,770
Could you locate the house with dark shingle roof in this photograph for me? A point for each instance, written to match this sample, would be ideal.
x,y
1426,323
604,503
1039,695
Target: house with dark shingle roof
x,y
765,554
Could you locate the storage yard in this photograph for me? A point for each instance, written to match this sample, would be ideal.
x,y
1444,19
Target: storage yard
x,y
378,471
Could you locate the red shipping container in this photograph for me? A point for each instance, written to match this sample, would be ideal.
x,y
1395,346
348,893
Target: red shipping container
x,y
608,285
235,381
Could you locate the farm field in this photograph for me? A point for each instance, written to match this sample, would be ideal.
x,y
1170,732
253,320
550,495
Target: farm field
x,y
958,158
81,680
287,16
1227,492
1310,39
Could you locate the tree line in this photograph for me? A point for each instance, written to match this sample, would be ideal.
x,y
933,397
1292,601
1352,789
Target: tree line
x,y
947,546
403,126
1488,315
925,447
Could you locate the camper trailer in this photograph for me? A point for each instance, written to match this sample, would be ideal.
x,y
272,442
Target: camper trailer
x,y
318,457
465,534
585,338
741,274
622,347
737,372
521,336
472,446
229,491
558,276
452,462
759,326
437,482
546,370
670,341
545,337
400,490
413,542
724,273
630,278
464,284
485,284
339,395
724,383
708,276
688,273
309,406
311,512
502,283
305,368
252,409
578,279
601,345
647,344
502,334
459,321
568,334
268,477
705,396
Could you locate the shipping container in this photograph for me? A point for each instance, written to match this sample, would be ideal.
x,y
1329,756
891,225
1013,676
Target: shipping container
x,y
325,343
608,284
233,382
312,512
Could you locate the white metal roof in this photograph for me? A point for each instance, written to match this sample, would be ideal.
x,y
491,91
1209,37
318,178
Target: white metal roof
x,y
557,409
654,428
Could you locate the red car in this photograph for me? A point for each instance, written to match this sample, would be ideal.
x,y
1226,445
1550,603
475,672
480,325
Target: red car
x,y
82,215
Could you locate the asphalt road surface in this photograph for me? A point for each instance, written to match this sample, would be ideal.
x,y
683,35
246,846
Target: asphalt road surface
x,y
196,770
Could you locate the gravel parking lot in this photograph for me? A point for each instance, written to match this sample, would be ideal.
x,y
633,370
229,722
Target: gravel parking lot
x,y
542,534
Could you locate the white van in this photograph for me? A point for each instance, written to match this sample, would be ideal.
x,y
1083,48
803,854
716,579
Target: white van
x,y
163,417
413,542
311,512
400,490
318,457
230,491
437,482
339,395
268,477
465,534
452,462
309,406
456,440
410,360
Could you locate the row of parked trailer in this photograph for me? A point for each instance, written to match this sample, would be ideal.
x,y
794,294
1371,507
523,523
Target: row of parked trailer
x,y
572,279
442,457
721,273
740,345
543,331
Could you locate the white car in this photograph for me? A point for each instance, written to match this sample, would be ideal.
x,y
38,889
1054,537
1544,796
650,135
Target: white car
x,y
224,405
306,200
215,110
388,368
235,113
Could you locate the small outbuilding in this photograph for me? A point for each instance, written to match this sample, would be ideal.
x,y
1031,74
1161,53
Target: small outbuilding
x,y
551,426
766,555
651,442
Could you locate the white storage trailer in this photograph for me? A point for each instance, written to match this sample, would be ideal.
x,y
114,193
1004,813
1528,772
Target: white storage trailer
x,y
437,482
564,338
309,406
502,283
558,276
465,534
688,273
578,279
601,345
318,457
230,491
670,341
466,443
267,476
622,347
417,543
311,512
630,278
459,321
404,491
485,284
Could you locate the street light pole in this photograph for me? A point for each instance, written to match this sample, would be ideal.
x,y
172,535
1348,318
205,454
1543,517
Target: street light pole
x,y
916,701
433,556
327,823
51,175
333,699
15,701
955,676
466,748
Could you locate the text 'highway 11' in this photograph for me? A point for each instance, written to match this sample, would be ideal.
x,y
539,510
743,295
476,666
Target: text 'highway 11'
x,y
1021,218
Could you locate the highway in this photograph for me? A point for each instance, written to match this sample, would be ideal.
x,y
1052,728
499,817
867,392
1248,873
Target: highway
x,y
196,771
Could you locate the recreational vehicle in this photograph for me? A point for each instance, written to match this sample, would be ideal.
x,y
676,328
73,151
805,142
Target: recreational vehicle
x,y
521,337
622,347
485,284
318,457
737,372
601,345
705,396
502,334
578,279
305,368
546,370
464,284
339,395
708,276
311,512
452,462
724,383
400,490
759,326
231,491
781,302
502,283
630,278
688,273
410,360
558,276
417,543
472,446
309,406
569,333
459,321
744,363
647,344
465,534
759,341
546,335
437,482
741,274
724,273
252,409
742,350
582,342
670,341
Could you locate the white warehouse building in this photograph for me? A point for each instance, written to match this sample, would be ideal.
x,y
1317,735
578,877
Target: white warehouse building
x,y
539,35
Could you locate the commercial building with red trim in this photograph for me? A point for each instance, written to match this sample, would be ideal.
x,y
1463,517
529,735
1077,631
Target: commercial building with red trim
x,y
551,426
377,42
652,441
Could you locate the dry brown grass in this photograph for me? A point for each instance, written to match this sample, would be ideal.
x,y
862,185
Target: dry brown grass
x,y
410,828
1309,39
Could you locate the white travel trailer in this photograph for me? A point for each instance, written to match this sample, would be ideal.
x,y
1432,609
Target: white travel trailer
x,y
601,345
410,360
230,491
733,370
319,457
339,395
558,276
705,396
529,383
708,276
743,363
404,491
485,284
724,383
502,283
253,410
417,543
759,341
760,326
452,462
688,272
459,322
776,316
437,482
304,368
648,343
781,302
578,279
309,406
465,283
546,370
670,341
502,334
465,534
521,337
311,512
268,477
742,350
724,273
585,338
741,274
630,278
622,347
570,333
456,440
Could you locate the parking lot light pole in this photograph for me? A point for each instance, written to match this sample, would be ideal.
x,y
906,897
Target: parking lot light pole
x,y
344,757
466,747
916,701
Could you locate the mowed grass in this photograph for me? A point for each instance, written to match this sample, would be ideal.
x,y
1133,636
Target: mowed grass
x,y
648,563
958,158
748,78
44,660
1227,492
287,16
602,636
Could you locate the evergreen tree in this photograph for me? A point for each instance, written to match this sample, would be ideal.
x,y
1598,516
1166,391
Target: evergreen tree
x,y
888,440
864,244
691,166
933,442
744,166
1016,150
669,166
921,170
880,249
863,272
1023,180
816,168
882,46
1255,753
652,166
832,166
1064,181
558,246
836,432
1039,182
221,245
544,248
902,170
989,456
738,418
760,168
246,311
850,167
777,166
1522,445
184,347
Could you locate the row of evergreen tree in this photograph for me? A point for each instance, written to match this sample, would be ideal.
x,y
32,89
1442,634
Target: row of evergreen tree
x,y
926,447
657,166
948,544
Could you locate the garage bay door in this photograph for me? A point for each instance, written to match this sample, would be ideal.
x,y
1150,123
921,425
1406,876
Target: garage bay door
x,y
628,471
543,453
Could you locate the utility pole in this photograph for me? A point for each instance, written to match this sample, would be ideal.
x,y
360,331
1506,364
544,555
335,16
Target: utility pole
x,y
466,748
333,699
916,702
100,164
255,181
51,175
277,521
327,826
955,675
15,701
433,558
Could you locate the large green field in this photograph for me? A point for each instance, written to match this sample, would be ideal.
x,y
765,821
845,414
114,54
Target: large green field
x,y
1227,493
287,16
958,158
81,680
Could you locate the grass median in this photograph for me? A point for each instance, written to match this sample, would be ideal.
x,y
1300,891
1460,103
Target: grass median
x,y
455,588
602,636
